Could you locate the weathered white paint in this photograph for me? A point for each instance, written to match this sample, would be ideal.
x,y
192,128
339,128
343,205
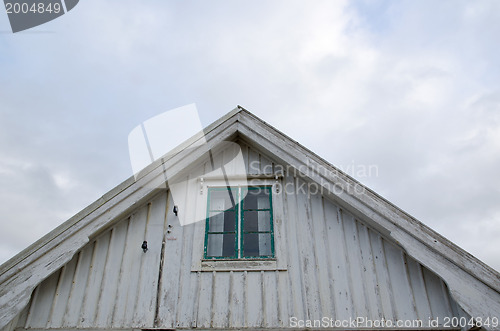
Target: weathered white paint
x,y
20,275
473,284
334,266
377,228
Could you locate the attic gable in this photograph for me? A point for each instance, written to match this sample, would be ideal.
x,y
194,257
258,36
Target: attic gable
x,y
328,262
472,284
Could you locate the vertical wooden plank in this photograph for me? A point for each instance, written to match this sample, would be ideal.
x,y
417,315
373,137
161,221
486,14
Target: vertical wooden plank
x,y
169,290
89,307
198,241
369,274
354,265
73,309
205,300
280,238
32,307
237,303
323,217
447,298
306,251
435,294
322,255
129,272
253,299
454,309
266,166
220,312
284,312
185,312
55,295
270,296
383,281
336,246
148,280
408,282
231,164
244,152
187,287
111,273
63,293
195,285
131,313
218,159
294,272
199,227
418,289
404,305
43,304
253,162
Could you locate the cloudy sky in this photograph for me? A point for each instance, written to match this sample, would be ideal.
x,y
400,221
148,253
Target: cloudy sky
x,y
412,87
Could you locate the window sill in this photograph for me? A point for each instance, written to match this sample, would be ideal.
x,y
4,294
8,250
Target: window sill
x,y
240,265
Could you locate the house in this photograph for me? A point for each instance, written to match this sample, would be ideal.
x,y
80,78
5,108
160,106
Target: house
x,y
269,254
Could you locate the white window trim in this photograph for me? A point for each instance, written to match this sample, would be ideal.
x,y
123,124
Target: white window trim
x,y
278,263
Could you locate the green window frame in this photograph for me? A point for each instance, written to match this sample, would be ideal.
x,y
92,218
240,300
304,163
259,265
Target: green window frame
x,y
239,228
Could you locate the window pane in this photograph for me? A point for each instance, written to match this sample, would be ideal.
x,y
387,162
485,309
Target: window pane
x,y
221,245
221,199
222,221
265,244
251,244
254,221
257,199
257,244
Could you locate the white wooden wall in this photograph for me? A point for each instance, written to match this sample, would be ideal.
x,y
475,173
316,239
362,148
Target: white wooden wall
x,y
333,266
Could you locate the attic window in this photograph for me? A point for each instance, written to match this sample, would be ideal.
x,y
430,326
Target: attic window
x,y
239,223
